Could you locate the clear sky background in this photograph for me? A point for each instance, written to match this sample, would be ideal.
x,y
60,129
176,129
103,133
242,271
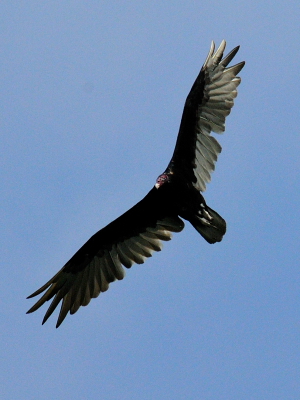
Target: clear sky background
x,y
91,99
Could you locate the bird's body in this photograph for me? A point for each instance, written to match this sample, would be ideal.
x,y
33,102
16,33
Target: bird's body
x,y
136,234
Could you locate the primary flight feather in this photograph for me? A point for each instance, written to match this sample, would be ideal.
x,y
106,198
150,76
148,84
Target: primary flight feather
x,y
136,234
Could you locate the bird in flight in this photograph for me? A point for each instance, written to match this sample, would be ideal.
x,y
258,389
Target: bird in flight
x,y
136,234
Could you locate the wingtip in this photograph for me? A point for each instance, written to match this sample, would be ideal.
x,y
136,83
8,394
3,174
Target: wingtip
x,y
228,58
210,53
33,308
223,43
58,325
45,318
218,54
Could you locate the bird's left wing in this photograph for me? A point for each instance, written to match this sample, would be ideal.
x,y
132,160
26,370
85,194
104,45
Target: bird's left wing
x,y
129,239
207,105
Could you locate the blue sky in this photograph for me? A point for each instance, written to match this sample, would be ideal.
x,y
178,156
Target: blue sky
x,y
91,99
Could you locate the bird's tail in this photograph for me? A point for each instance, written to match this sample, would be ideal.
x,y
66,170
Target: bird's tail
x,y
209,224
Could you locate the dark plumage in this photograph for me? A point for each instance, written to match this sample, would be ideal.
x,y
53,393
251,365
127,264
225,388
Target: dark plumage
x,y
136,234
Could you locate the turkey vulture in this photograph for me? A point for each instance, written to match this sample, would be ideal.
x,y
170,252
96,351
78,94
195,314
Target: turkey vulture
x,y
136,234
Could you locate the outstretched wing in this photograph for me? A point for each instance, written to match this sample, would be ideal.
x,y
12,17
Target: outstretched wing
x,y
207,105
129,239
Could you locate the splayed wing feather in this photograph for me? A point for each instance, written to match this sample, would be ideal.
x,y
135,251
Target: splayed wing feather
x,y
104,283
136,246
209,157
153,241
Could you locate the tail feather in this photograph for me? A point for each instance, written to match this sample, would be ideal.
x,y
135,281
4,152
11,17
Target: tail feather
x,y
212,227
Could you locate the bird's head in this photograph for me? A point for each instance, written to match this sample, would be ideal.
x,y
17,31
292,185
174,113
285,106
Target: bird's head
x,y
161,180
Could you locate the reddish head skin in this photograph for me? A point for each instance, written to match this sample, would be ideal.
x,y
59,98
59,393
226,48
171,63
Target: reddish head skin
x,y
163,178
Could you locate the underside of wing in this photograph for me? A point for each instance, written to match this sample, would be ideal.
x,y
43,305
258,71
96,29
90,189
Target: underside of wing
x,y
207,106
131,238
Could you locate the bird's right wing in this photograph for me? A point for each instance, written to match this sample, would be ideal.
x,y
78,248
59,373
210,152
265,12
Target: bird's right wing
x,y
207,105
129,239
